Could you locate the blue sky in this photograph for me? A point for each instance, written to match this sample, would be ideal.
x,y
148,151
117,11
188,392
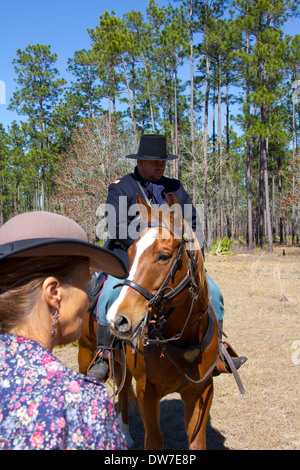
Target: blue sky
x,y
62,24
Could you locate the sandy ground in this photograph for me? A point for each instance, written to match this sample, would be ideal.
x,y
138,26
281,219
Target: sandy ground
x,y
262,302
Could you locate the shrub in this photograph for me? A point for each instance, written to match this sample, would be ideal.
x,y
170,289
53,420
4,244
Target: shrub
x,y
221,246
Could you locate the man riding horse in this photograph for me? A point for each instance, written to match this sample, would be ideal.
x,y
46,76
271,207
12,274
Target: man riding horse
x,y
153,187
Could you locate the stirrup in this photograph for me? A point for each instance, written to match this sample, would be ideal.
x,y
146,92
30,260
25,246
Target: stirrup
x,y
237,360
230,362
99,368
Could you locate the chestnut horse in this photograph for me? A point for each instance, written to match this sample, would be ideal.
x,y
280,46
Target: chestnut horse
x,y
164,316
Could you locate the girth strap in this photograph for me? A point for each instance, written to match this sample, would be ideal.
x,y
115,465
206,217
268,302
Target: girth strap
x,y
191,353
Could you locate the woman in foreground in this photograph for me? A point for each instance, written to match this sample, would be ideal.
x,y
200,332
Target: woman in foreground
x,y
45,262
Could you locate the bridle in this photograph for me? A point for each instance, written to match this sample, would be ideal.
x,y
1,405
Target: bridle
x,y
166,293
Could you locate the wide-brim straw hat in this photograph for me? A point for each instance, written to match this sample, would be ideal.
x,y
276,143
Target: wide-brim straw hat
x,y
41,233
152,147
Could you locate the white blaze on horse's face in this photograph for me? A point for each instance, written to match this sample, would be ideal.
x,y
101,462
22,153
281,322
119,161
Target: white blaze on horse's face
x,y
145,242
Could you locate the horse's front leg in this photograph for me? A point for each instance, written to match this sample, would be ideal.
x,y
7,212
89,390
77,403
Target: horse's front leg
x,y
149,400
197,406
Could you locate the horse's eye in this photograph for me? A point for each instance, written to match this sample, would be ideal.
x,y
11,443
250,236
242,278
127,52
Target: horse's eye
x,y
163,257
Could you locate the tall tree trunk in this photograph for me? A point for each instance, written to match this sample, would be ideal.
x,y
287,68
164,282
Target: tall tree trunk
x,y
260,199
176,162
280,201
228,214
214,217
42,182
249,195
133,119
293,178
1,213
42,126
249,156
264,150
273,211
192,103
109,108
220,148
205,143
148,92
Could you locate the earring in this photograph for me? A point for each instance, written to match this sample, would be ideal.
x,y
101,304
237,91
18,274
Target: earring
x,y
55,318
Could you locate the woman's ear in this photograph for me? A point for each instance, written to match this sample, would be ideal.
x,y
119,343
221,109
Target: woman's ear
x,y
52,291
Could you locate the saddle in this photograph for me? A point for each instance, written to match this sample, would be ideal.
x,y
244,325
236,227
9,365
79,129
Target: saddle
x,y
225,350
95,286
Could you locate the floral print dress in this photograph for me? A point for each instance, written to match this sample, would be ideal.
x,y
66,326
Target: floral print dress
x,y
45,405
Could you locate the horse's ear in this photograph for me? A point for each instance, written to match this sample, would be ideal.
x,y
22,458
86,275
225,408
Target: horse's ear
x,y
172,199
144,209
176,216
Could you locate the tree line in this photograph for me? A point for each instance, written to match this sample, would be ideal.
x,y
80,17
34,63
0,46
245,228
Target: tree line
x,y
219,78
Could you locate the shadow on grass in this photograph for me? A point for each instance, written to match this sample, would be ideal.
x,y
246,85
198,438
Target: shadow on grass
x,y
172,427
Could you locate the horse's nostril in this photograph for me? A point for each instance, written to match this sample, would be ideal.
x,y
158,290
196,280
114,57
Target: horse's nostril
x,y
122,323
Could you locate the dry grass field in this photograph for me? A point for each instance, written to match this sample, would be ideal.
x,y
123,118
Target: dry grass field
x,y
262,302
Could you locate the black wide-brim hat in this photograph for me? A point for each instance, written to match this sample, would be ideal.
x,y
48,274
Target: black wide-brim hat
x,y
153,147
42,233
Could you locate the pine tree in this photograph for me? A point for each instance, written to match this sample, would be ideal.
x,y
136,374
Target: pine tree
x,y
86,88
38,92
4,169
170,41
107,46
263,62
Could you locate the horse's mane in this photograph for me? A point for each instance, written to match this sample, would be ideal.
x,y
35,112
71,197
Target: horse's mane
x,y
200,271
